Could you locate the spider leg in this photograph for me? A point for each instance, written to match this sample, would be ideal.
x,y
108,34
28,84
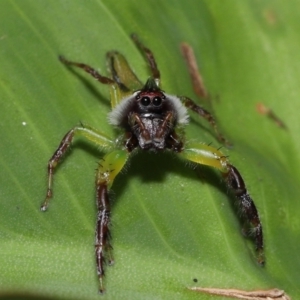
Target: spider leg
x,y
149,57
116,86
121,72
189,103
89,133
207,155
109,167
88,69
123,81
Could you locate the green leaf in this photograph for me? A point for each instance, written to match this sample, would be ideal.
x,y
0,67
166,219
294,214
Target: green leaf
x,y
171,224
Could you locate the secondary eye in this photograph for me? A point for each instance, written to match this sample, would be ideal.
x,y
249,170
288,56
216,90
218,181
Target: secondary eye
x,y
156,101
145,101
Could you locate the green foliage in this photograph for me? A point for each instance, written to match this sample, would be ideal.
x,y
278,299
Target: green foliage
x,y
171,224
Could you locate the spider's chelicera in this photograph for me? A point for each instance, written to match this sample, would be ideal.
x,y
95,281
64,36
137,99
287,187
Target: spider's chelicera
x,y
151,120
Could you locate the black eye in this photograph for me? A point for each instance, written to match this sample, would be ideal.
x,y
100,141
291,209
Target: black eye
x,y
156,101
145,101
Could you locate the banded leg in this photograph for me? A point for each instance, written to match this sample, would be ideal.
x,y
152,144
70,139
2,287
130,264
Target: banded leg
x,y
235,181
189,103
108,169
88,69
150,58
123,81
207,155
89,133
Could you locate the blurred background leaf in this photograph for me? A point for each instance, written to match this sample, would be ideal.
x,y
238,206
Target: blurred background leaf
x,y
173,226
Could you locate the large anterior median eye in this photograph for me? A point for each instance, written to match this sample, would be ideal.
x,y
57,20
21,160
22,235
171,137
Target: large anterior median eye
x,y
145,101
156,101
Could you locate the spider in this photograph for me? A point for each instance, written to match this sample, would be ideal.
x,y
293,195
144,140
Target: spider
x,y
150,120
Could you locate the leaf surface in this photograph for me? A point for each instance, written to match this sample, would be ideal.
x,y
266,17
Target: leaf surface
x,y
171,224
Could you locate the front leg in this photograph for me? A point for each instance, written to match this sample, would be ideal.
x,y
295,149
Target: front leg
x,y
236,183
108,169
207,155
89,133
102,231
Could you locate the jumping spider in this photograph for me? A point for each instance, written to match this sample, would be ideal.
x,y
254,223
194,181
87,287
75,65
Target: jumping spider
x,y
151,120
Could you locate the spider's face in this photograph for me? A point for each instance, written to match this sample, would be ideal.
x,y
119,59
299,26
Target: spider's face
x,y
149,116
150,99
150,102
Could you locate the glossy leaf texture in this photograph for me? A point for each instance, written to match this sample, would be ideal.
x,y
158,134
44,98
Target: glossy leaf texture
x,y
172,224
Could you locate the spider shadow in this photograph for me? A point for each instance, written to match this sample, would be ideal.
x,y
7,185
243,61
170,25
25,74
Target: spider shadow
x,y
154,167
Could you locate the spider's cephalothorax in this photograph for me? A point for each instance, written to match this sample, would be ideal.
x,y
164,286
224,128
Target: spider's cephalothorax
x,y
150,120
150,117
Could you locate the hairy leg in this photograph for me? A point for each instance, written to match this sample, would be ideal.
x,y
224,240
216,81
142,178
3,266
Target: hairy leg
x,y
207,155
189,103
149,57
90,134
109,167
